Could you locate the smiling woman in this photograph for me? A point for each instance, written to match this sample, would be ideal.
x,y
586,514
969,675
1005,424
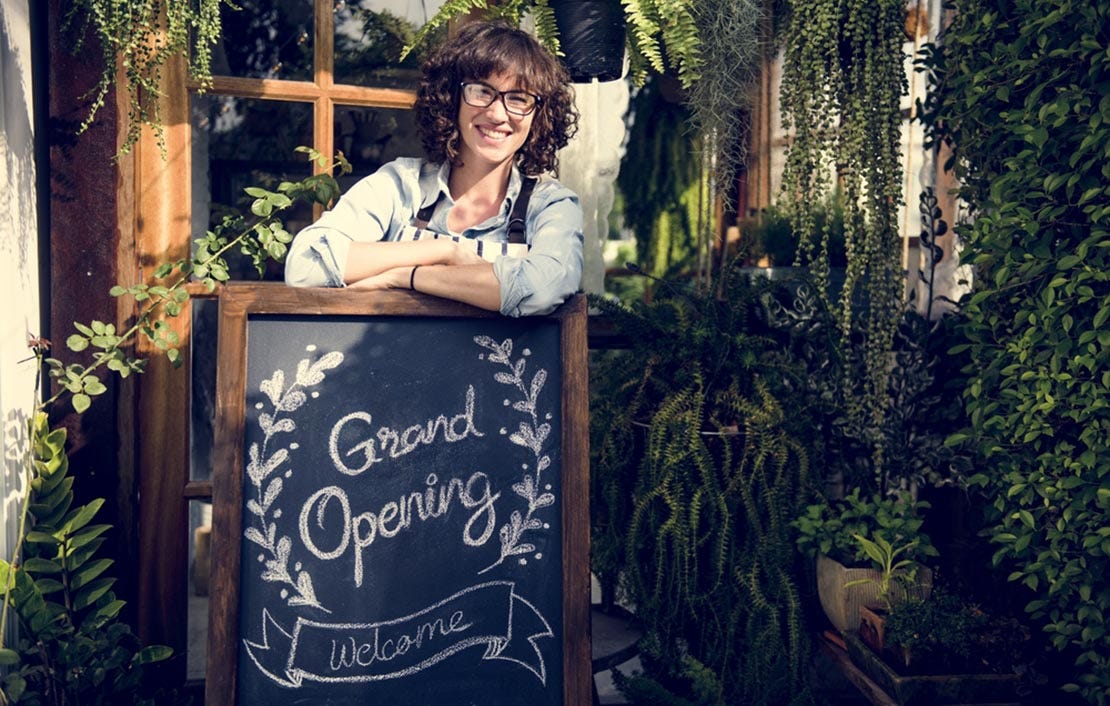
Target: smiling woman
x,y
478,220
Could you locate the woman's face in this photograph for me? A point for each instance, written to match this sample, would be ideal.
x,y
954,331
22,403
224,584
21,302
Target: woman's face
x,y
492,135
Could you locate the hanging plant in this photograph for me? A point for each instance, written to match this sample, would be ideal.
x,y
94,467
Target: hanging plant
x,y
842,84
143,35
662,36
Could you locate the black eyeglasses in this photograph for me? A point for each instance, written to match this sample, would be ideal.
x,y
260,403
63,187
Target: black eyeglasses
x,y
480,95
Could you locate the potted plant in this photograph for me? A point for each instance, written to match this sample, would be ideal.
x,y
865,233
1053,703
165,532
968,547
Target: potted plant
x,y
896,575
846,579
647,38
943,649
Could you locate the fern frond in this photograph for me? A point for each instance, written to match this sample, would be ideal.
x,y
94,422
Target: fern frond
x,y
543,18
448,11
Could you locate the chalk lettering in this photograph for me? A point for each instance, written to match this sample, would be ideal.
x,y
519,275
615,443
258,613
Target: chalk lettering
x,y
348,652
393,443
360,531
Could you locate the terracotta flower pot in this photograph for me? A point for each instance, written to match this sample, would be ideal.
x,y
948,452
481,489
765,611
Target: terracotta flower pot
x,y
872,628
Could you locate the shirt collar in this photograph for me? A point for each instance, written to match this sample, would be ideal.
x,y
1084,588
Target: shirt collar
x,y
434,182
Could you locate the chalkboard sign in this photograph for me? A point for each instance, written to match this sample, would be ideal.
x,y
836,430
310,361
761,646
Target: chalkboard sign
x,y
400,503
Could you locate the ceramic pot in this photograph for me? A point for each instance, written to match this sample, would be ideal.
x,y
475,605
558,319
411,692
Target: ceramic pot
x,y
841,604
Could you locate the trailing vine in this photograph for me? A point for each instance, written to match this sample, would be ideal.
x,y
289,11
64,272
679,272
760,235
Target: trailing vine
x,y
661,182
691,419
843,79
142,36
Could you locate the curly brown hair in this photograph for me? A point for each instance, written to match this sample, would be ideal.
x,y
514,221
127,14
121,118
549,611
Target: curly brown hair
x,y
481,50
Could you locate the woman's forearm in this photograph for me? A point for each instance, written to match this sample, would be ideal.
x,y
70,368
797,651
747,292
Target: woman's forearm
x,y
473,284
375,258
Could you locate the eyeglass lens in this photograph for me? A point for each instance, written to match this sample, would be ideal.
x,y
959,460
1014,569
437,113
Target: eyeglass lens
x,y
480,95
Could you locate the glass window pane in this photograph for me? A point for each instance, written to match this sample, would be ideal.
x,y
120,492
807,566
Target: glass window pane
x,y
266,39
200,563
369,36
240,142
202,400
370,137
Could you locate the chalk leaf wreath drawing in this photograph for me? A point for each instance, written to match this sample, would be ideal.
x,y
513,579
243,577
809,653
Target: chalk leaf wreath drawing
x,y
531,434
261,470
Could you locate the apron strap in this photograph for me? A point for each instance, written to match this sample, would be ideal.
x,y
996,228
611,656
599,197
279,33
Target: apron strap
x,y
520,211
516,217
425,214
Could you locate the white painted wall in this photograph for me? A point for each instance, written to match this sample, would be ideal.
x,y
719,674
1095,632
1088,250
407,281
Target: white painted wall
x,y
19,294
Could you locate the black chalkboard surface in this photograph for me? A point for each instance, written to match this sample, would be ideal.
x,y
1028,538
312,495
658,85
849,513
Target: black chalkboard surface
x,y
400,507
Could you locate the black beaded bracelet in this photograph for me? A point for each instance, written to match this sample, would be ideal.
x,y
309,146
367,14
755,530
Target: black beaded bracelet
x,y
412,278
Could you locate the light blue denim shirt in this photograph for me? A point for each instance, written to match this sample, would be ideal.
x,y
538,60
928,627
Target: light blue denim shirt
x,y
380,205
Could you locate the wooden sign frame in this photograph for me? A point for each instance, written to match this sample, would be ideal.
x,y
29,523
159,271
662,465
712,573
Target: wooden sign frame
x,y
239,302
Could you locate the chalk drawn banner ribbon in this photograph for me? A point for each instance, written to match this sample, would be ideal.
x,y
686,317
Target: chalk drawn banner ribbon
x,y
490,615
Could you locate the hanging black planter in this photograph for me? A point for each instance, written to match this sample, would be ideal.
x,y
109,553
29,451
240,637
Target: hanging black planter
x,y
591,35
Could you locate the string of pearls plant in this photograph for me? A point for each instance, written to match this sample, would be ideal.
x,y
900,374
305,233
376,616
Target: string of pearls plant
x,y
842,83
143,35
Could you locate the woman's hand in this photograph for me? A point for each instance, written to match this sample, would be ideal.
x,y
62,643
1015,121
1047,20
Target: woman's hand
x,y
459,254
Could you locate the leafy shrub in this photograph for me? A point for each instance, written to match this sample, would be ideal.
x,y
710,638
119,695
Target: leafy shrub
x,y
1024,101
830,528
945,635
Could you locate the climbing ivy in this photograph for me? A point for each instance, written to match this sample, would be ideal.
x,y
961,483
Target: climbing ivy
x,y
1025,103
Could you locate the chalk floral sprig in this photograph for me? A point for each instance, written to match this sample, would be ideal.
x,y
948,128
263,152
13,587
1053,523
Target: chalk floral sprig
x,y
532,435
262,468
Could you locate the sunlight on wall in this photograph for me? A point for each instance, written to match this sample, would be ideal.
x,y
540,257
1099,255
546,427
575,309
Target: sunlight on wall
x,y
589,165
18,255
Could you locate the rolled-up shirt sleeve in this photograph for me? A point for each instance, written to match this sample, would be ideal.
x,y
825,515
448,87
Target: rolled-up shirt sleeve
x,y
318,255
552,271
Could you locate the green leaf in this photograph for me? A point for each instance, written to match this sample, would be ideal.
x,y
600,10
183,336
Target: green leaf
x,y
93,386
77,343
152,654
38,565
81,402
89,572
91,594
81,516
86,535
48,586
36,537
8,657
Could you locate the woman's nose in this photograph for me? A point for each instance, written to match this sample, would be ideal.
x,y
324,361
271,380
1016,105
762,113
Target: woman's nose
x,y
499,110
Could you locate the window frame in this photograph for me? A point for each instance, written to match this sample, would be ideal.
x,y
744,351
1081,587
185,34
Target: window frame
x,y
162,226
